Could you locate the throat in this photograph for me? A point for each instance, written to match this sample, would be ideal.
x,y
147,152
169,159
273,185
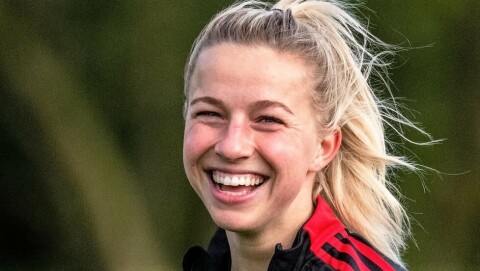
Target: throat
x,y
248,254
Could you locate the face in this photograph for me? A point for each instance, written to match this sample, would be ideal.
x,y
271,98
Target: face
x,y
251,148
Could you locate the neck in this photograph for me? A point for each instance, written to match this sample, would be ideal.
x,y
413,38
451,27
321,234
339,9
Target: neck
x,y
253,251
248,253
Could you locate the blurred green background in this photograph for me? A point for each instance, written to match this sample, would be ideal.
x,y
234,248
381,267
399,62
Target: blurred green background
x,y
91,174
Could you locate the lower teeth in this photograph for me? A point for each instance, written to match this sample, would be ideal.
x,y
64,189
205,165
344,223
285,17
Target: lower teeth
x,y
231,193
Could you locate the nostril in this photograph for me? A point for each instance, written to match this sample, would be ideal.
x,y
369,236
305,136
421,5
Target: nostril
x,y
233,151
235,143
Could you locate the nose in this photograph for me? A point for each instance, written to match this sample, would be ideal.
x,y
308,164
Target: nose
x,y
235,142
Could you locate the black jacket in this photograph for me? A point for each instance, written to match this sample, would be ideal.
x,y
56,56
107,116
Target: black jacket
x,y
321,244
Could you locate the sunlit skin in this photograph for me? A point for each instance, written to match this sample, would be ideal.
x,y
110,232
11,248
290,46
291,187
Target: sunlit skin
x,y
249,115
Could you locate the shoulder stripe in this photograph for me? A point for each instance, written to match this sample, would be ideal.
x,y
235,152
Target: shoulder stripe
x,y
352,251
376,260
333,244
341,256
365,260
335,261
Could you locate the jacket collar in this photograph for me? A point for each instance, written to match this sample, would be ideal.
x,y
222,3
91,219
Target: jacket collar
x,y
321,224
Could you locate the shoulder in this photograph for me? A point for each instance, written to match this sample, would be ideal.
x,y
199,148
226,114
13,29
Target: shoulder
x,y
346,251
336,247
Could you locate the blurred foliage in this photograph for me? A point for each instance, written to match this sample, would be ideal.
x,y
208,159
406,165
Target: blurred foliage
x,y
91,174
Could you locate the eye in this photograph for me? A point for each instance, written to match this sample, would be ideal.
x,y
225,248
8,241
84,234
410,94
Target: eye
x,y
207,114
270,119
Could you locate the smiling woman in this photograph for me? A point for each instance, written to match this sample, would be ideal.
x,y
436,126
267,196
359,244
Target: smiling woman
x,y
253,121
284,141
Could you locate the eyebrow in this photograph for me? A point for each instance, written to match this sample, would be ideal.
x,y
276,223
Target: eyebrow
x,y
268,103
259,105
208,100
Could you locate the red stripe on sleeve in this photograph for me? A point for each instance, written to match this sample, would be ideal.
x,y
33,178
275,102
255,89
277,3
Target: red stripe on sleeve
x,y
370,253
322,227
345,248
335,263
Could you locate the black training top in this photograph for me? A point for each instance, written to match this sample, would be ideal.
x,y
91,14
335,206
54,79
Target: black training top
x,y
323,243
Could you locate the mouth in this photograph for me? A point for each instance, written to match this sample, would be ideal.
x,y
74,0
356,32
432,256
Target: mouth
x,y
236,184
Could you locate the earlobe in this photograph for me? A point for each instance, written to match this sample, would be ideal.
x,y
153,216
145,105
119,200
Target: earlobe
x,y
328,148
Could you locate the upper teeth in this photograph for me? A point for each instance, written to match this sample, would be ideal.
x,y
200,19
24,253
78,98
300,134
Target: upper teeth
x,y
236,180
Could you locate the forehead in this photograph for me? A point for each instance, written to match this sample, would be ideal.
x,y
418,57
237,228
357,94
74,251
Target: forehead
x,y
249,66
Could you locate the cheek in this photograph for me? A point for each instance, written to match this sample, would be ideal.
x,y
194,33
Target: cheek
x,y
287,151
290,157
277,150
195,145
196,142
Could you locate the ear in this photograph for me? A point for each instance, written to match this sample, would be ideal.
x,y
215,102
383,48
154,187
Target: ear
x,y
328,148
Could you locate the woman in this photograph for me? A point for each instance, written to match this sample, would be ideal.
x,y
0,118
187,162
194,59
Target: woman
x,y
284,141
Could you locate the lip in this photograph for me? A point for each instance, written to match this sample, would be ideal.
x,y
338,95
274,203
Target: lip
x,y
233,199
235,171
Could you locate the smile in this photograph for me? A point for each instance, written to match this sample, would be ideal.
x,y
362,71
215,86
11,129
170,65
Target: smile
x,y
236,184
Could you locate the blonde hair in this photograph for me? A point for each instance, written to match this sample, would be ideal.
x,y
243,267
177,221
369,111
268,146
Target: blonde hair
x,y
348,61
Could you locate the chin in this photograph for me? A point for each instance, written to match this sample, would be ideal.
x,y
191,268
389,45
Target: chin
x,y
233,222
